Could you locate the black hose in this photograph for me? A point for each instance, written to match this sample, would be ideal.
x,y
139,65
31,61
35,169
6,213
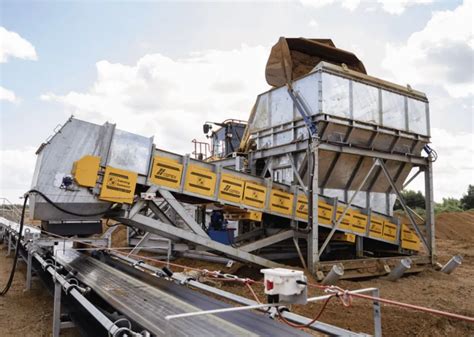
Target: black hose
x,y
52,203
22,220
17,251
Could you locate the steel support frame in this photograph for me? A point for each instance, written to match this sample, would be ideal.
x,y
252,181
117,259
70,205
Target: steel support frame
x,y
346,208
404,206
179,209
267,241
158,227
313,186
429,205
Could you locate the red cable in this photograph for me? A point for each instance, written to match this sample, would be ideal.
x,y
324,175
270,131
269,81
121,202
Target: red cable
x,y
307,325
416,307
247,281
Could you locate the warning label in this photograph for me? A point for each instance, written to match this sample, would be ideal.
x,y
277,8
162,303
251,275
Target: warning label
x,y
254,195
281,202
118,185
200,180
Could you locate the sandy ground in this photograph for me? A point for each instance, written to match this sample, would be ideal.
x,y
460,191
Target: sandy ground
x,y
30,314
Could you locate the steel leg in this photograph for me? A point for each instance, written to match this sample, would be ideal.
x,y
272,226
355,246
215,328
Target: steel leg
x,y
28,271
57,309
10,246
377,315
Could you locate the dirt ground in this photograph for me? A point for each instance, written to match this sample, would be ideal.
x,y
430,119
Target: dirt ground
x,y
30,314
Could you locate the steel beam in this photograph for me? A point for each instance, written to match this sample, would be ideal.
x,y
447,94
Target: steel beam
x,y
402,202
160,214
313,198
296,173
412,178
429,206
349,204
325,146
267,241
160,228
179,209
249,235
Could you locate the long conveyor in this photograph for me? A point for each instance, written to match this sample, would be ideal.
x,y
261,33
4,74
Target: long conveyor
x,y
147,305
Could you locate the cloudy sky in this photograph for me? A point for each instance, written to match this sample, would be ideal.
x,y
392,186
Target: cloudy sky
x,y
163,69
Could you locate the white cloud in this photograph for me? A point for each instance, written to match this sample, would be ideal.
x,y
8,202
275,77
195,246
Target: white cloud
x,y
13,45
313,23
16,171
7,95
454,169
172,98
395,7
442,52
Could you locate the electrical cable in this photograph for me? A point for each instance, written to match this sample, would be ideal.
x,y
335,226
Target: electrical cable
x,y
52,203
17,250
20,231
307,325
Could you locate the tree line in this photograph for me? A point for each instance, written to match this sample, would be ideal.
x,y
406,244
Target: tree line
x,y
416,201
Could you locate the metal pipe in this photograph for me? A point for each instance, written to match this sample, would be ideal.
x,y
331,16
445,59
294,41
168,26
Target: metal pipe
x,y
96,313
400,269
222,310
452,264
334,274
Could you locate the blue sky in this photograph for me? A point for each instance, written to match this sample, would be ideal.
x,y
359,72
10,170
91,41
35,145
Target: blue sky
x,y
88,56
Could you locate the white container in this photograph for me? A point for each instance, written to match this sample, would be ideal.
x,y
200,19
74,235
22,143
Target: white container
x,y
286,282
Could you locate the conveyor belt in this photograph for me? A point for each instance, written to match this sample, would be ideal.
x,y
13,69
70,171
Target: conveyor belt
x,y
148,305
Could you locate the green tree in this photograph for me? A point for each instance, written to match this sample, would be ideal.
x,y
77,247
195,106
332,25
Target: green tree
x,y
412,199
467,201
448,205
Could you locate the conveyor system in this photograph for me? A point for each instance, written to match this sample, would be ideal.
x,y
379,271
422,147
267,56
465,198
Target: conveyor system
x,y
334,190
114,295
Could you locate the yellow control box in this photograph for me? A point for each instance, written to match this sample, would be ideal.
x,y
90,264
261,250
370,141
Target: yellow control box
x,y
166,172
200,180
231,188
254,195
346,237
281,202
85,171
410,239
118,185
389,231
376,227
359,223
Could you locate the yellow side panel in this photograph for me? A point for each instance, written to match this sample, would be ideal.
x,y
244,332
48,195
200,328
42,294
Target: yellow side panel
x,y
359,223
410,239
325,213
389,231
302,207
376,228
166,172
85,171
281,202
347,237
254,195
118,185
231,188
200,181
346,223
